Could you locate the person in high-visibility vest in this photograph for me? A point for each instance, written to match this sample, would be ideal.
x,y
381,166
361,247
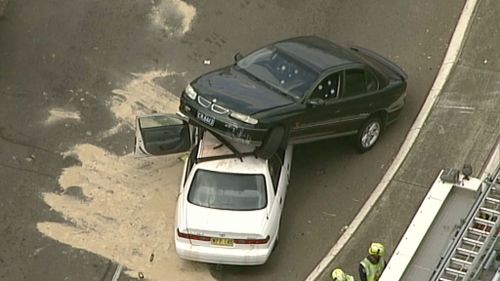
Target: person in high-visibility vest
x,y
339,275
371,267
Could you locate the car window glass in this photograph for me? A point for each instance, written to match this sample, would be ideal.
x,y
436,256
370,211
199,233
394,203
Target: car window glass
x,y
355,82
158,121
371,82
228,191
279,70
328,88
275,169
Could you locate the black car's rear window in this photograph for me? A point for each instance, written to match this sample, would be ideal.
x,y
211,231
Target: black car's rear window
x,y
374,65
280,71
228,191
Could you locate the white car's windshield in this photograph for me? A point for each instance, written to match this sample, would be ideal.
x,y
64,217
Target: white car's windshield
x,y
279,70
228,191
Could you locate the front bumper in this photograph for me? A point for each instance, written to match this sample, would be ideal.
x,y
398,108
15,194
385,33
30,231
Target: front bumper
x,y
220,255
223,125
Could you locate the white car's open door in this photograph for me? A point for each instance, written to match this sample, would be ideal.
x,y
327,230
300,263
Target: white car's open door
x,y
161,134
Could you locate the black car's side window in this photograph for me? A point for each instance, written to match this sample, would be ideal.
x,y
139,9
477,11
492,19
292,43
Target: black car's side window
x,y
355,83
371,82
328,88
358,82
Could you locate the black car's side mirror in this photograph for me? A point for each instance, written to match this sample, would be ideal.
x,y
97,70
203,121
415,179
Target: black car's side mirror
x,y
238,56
316,102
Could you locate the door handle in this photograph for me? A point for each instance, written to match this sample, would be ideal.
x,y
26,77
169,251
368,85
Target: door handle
x,y
281,199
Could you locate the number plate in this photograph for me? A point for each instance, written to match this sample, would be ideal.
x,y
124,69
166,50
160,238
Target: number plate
x,y
206,119
222,242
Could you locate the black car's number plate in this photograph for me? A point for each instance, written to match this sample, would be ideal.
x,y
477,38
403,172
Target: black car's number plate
x,y
206,119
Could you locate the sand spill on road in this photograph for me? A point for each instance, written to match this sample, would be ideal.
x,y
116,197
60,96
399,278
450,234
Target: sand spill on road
x,y
173,16
143,96
125,212
139,97
123,207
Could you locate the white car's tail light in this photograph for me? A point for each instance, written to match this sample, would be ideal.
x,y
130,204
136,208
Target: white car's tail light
x,y
252,241
192,236
236,241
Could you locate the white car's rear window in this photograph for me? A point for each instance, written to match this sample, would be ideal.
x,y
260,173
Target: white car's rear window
x,y
228,191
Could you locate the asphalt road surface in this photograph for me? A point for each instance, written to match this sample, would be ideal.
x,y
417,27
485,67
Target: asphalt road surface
x,y
73,54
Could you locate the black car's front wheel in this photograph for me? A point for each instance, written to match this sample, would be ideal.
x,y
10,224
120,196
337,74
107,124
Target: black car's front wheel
x,y
369,133
272,142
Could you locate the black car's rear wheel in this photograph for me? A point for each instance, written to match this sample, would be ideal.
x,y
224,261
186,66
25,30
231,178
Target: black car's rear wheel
x,y
369,133
274,140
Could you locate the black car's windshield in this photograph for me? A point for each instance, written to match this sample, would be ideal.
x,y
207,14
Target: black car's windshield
x,y
279,70
227,191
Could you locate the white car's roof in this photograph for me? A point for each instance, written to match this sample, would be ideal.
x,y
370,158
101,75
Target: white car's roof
x,y
211,146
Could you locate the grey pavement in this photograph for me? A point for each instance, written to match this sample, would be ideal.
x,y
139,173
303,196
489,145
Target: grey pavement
x,y
463,127
3,6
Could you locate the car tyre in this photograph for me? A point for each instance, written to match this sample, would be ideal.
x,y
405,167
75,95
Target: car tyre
x,y
369,133
271,143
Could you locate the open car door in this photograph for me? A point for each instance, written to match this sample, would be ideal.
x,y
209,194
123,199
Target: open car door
x,y
161,134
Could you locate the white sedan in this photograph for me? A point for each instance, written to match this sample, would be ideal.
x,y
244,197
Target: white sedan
x,y
230,202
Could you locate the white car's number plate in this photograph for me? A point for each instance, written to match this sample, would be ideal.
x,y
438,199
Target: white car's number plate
x,y
205,118
222,242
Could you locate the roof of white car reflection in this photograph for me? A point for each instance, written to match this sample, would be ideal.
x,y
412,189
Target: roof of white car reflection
x,y
211,146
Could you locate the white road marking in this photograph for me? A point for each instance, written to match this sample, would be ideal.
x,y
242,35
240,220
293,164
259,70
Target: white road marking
x,y
118,271
59,114
459,107
448,62
493,163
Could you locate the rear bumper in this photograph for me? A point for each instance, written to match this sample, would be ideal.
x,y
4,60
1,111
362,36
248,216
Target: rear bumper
x,y
222,255
395,109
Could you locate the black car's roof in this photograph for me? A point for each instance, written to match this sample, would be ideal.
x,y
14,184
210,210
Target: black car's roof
x,y
316,52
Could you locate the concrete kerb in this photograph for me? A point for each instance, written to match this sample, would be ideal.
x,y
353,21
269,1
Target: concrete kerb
x,y
448,63
494,161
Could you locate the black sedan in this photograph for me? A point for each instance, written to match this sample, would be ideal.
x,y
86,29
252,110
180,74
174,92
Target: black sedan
x,y
299,90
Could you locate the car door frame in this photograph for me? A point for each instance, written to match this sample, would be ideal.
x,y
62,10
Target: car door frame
x,y
321,126
278,196
355,115
179,128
